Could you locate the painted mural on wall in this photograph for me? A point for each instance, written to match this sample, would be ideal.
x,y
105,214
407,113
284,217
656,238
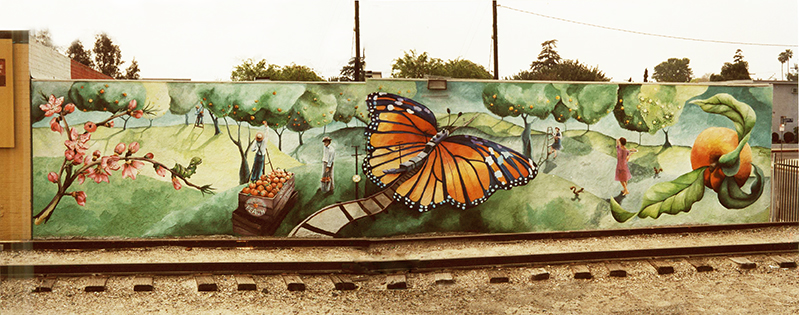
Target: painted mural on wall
x,y
155,159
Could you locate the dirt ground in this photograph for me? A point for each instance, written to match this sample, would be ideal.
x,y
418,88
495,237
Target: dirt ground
x,y
728,289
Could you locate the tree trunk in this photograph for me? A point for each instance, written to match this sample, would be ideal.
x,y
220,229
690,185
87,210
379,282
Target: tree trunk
x,y
527,146
216,123
244,169
125,125
187,118
639,138
300,134
667,144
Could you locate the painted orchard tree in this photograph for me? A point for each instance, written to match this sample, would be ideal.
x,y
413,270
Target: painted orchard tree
x,y
278,98
594,101
79,165
184,101
112,97
649,108
241,103
525,100
350,101
314,108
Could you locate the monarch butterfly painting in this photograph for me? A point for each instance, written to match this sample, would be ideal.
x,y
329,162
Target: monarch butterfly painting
x,y
404,138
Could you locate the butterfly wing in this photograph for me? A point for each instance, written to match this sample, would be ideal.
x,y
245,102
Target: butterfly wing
x,y
399,130
464,171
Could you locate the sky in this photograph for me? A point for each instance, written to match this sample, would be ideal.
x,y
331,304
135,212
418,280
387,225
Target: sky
x,y
204,40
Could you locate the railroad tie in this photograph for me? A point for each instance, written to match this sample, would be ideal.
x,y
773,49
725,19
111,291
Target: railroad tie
x,y
205,283
245,283
616,270
342,282
784,262
396,282
142,283
700,265
294,282
96,284
539,274
498,276
444,278
581,272
743,262
46,284
662,267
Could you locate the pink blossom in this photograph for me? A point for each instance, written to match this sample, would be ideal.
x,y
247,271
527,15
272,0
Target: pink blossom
x,y
52,177
133,147
137,114
90,126
149,156
110,124
69,154
55,125
80,197
110,163
131,168
132,105
81,177
119,148
98,174
176,183
160,170
53,106
69,108
97,153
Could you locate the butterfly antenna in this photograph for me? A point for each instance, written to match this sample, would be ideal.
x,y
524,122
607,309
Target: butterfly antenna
x,y
449,114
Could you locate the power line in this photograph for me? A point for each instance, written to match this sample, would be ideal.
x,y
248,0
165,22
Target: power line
x,y
644,33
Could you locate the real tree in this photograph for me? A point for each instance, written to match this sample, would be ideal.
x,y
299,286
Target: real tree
x,y
78,53
250,70
785,57
43,37
413,65
737,70
107,56
132,72
549,66
673,70
347,72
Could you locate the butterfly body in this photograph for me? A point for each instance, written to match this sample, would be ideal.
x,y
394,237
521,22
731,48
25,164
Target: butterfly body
x,y
403,138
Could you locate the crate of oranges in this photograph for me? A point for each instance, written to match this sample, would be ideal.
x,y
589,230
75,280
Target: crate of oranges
x,y
273,189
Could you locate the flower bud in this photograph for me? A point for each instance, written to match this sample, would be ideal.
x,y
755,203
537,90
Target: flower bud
x,y
149,156
132,105
133,147
120,148
69,108
52,177
90,126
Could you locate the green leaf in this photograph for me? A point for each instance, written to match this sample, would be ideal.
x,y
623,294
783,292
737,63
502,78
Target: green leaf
x,y
730,162
732,197
741,114
618,212
675,196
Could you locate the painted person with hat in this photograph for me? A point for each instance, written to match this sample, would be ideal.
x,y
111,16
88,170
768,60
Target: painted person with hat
x,y
260,149
327,159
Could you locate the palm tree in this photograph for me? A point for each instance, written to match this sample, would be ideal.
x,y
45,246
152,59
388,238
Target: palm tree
x,y
783,58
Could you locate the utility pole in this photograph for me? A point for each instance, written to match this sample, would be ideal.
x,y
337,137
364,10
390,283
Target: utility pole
x,y
496,44
357,44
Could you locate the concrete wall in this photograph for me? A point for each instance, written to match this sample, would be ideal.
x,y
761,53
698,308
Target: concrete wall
x,y
203,134
786,103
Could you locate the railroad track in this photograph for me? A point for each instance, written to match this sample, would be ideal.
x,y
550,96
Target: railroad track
x,y
394,266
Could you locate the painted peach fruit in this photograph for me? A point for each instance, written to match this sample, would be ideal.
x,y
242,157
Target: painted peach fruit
x,y
709,146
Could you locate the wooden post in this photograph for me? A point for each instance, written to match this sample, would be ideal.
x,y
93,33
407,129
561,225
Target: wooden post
x,y
357,73
496,42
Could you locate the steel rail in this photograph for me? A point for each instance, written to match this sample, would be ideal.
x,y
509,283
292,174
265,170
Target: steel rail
x,y
274,242
388,266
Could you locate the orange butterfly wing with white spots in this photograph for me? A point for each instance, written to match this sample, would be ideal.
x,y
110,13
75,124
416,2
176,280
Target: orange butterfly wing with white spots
x,y
460,170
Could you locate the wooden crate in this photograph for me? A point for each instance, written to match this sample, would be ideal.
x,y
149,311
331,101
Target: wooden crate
x,y
277,207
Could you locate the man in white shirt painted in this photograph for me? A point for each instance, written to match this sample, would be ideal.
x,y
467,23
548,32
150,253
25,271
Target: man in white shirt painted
x,y
327,159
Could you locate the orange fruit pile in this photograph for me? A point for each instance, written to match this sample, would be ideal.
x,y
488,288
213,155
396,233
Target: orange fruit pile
x,y
268,185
